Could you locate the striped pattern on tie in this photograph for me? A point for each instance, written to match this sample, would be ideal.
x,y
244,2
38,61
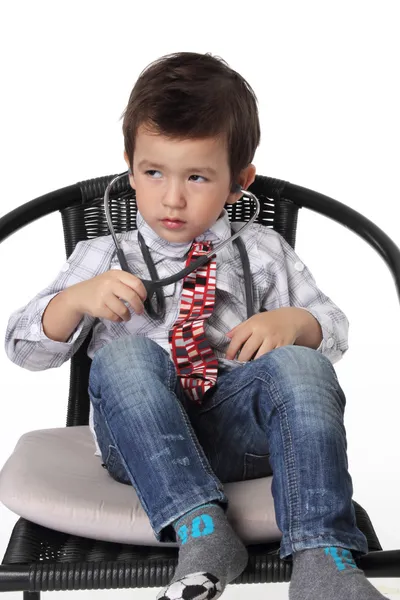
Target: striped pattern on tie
x,y
194,360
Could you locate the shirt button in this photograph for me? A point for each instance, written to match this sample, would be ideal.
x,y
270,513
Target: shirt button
x,y
299,266
34,329
330,342
65,267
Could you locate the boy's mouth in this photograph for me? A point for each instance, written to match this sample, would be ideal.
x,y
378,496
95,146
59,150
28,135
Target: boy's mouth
x,y
172,223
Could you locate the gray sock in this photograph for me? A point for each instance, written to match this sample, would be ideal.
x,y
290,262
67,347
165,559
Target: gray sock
x,y
329,573
210,555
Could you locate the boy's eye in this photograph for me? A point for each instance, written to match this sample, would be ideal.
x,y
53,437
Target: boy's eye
x,y
201,177
151,173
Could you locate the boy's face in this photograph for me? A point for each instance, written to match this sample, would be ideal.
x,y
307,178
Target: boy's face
x,y
182,185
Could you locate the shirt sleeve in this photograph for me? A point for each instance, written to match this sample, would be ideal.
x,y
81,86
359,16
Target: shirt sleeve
x,y
26,343
297,287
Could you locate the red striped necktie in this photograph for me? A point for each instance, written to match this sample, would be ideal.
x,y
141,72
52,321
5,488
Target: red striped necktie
x,y
194,360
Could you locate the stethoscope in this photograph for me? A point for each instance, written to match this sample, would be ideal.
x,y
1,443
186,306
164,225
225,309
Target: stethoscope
x,y
154,285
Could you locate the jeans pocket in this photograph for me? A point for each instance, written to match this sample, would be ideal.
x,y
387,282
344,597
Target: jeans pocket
x,y
114,466
256,466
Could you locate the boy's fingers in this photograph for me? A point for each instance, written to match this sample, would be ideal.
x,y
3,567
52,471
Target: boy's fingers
x,y
269,345
137,305
116,308
250,348
237,342
129,295
140,289
265,347
233,330
134,283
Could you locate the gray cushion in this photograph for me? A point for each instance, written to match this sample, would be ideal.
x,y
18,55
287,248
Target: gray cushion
x,y
54,479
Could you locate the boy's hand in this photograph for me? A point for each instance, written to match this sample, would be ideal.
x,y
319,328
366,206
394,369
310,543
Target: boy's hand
x,y
103,295
268,330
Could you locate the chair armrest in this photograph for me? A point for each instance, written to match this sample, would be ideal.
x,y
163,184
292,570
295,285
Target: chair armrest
x,y
351,219
39,207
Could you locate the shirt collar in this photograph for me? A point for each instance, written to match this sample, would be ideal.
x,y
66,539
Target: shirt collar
x,y
217,233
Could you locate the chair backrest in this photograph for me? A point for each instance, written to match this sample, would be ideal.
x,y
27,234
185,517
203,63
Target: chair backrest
x,y
87,220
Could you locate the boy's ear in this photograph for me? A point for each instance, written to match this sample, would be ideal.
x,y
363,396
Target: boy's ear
x,y
246,178
131,178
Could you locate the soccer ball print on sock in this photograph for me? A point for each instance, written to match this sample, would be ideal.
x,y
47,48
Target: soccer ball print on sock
x,y
198,586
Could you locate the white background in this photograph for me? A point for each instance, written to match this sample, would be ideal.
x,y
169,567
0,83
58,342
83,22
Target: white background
x,y
326,76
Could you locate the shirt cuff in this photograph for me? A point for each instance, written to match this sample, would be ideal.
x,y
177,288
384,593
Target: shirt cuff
x,y
328,343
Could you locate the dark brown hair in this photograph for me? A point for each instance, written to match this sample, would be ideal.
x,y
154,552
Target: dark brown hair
x,y
188,95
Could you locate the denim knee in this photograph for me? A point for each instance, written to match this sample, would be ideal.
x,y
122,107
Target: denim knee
x,y
300,359
301,375
294,361
130,358
134,351
130,344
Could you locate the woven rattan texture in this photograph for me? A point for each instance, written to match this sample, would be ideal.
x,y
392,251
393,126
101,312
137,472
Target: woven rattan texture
x,y
62,561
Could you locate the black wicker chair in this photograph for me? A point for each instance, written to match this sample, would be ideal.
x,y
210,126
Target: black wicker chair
x,y
40,559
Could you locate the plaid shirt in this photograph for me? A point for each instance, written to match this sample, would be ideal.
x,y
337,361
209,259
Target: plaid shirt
x,y
279,279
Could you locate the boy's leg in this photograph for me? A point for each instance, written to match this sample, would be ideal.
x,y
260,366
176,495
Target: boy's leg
x,y
146,439
288,403
133,389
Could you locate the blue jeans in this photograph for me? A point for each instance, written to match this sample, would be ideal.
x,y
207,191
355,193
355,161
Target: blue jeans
x,y
281,414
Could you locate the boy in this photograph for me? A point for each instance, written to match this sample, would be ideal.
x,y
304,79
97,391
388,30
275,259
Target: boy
x,y
205,395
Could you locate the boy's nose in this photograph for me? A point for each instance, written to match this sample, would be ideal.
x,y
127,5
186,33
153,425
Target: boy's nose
x,y
174,197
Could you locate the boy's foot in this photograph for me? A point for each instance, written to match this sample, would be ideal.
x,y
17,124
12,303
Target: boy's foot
x,y
210,555
329,573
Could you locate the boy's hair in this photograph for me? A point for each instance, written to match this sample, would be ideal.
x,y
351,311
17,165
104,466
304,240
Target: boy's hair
x,y
188,95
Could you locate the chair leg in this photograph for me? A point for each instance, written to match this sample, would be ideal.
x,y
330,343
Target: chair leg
x,y
31,595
